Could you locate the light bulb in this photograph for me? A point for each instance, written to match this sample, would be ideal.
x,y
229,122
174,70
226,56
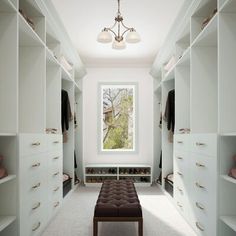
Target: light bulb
x,y
132,37
119,45
104,37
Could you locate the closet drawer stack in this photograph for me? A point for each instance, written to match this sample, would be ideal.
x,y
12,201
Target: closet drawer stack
x,y
40,174
195,169
54,173
33,191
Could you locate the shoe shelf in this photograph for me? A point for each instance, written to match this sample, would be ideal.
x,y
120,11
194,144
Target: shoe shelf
x,y
97,173
6,221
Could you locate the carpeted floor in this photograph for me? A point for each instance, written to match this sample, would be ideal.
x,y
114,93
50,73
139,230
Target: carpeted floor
x,y
160,216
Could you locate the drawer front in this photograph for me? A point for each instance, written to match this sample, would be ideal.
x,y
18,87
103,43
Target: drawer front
x,y
54,142
205,144
181,142
181,160
55,159
55,189
33,165
32,144
181,206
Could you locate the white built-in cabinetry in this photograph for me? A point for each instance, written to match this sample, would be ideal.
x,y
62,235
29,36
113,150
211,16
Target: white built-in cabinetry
x,y
203,77
31,79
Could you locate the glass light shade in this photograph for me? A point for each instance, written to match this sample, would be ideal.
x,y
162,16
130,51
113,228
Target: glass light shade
x,y
119,45
132,37
104,37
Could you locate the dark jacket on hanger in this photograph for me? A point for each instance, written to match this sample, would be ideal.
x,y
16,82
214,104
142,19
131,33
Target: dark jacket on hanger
x,y
65,111
170,111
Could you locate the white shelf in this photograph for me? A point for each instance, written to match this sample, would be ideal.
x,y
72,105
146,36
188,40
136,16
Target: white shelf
x,y
6,221
229,6
229,134
158,88
230,221
208,36
117,165
132,175
7,6
51,60
229,179
66,75
185,59
6,179
7,134
170,75
27,36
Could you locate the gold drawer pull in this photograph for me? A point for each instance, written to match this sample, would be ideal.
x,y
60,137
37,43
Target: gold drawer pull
x,y
199,164
37,206
180,174
56,189
57,173
35,228
36,144
180,142
56,158
36,186
56,204
36,165
200,144
198,205
180,190
179,205
180,158
199,185
199,226
56,142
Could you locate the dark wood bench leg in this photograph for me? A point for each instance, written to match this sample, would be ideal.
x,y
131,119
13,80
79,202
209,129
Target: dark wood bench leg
x,y
95,227
140,227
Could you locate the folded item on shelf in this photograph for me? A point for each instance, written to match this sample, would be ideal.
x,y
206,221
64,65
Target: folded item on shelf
x,y
208,19
232,172
3,171
170,63
29,20
66,64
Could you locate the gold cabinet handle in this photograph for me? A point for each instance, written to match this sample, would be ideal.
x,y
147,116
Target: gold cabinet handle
x,y
56,189
37,206
35,228
180,158
180,174
56,142
179,205
198,205
180,190
36,165
56,204
200,144
36,186
199,185
56,158
180,142
199,164
57,173
199,226
36,144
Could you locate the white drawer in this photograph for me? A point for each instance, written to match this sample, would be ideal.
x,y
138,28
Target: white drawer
x,y
55,159
53,206
55,176
181,206
181,142
33,165
55,188
181,159
34,225
32,144
205,144
54,142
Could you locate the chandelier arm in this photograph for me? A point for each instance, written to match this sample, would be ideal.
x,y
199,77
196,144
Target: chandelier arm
x,y
112,31
128,28
125,32
113,25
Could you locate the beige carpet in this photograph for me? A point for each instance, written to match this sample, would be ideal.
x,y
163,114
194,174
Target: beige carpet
x,y
160,216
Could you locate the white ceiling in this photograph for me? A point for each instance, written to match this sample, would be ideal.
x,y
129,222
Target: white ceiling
x,y
84,19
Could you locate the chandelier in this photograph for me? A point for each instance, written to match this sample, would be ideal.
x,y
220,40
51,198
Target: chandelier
x,y
119,42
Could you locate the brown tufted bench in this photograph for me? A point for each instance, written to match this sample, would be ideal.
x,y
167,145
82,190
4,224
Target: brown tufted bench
x,y
118,202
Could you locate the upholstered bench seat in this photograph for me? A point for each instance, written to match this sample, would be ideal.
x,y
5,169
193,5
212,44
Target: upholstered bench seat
x,y
118,201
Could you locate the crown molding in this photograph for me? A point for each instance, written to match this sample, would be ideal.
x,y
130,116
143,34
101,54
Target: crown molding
x,y
169,46
56,25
